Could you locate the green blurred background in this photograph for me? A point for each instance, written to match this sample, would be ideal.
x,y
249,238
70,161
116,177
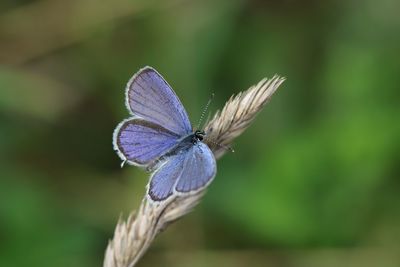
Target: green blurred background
x,y
313,182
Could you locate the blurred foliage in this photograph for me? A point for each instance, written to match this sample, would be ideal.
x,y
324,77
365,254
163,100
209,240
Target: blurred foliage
x,y
314,182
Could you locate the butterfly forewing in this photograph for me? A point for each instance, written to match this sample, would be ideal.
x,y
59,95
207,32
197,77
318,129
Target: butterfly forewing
x,y
150,97
141,142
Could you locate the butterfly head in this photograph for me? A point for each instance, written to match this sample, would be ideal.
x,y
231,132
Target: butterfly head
x,y
198,136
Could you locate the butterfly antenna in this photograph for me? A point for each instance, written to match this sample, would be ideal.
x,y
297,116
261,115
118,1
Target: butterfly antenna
x,y
205,110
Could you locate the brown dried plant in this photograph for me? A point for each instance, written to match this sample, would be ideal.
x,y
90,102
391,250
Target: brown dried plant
x,y
133,237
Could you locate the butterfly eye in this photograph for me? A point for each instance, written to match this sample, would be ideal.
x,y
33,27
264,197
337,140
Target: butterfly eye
x,y
199,135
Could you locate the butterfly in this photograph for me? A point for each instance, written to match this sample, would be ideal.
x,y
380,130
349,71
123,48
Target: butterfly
x,y
160,138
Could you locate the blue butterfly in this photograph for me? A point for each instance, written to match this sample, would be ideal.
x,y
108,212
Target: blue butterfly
x,y
160,138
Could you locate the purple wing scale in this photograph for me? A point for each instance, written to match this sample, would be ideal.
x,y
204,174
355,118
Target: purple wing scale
x,y
199,168
141,142
186,172
163,180
150,97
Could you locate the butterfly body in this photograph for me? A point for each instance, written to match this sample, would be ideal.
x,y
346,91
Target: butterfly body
x,y
183,145
159,137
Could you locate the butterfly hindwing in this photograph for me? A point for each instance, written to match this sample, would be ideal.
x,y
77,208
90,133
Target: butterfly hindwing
x,y
199,168
184,173
163,180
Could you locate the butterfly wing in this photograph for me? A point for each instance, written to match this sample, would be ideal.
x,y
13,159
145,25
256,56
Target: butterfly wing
x,y
150,97
186,172
163,180
141,142
199,168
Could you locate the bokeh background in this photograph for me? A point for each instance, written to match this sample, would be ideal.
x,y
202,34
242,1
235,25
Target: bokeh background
x,y
313,182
